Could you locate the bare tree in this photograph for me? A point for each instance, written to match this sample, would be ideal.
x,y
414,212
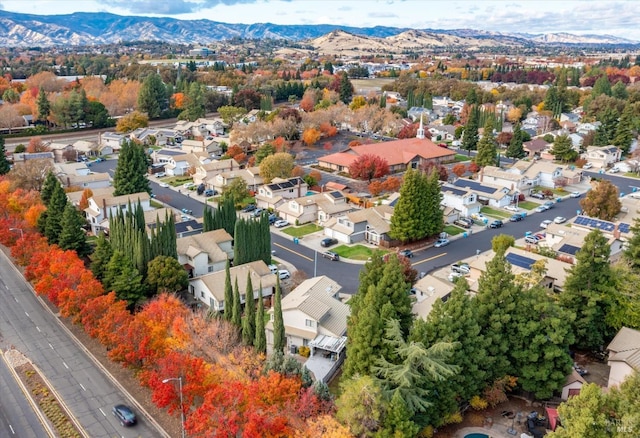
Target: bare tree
x,y
30,174
10,117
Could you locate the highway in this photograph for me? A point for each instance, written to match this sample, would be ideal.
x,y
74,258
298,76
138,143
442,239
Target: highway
x,y
32,329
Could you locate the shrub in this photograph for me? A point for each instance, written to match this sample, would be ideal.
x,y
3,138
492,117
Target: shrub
x,y
478,403
304,351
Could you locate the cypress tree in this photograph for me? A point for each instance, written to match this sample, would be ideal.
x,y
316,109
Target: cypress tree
x,y
515,149
43,105
237,306
260,341
55,210
470,137
249,319
72,235
49,184
624,131
228,293
433,197
487,148
101,256
279,337
5,167
130,171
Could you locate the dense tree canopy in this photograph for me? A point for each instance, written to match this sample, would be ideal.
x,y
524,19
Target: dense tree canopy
x,y
130,175
603,201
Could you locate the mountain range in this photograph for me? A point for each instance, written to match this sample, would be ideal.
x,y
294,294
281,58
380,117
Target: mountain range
x,y
80,28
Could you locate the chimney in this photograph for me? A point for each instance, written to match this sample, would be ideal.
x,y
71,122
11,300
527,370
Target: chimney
x,y
616,232
481,174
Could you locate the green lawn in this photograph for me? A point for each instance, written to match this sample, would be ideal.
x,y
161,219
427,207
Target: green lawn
x,y
302,230
176,181
528,205
631,174
155,204
460,157
495,213
355,252
452,230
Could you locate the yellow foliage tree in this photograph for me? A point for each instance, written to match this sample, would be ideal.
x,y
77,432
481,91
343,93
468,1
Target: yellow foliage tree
x,y
132,121
311,136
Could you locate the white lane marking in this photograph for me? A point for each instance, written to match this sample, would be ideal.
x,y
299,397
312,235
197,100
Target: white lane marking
x,y
13,432
38,328
100,409
83,388
51,347
65,365
27,314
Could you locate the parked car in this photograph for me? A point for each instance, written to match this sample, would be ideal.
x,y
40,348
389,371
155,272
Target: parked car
x,y
331,255
453,276
614,170
124,414
165,185
496,224
210,192
548,205
545,223
188,185
512,208
531,240
407,253
281,223
588,166
187,211
284,274
328,241
575,194
538,195
273,269
249,208
541,209
257,212
161,174
273,218
462,223
461,268
559,220
441,242
516,218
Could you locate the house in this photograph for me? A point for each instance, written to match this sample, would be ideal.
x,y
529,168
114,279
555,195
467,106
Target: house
x,y
486,194
273,194
83,181
463,201
86,148
314,317
180,165
371,225
624,355
572,385
496,176
618,232
200,128
207,171
399,154
207,147
442,132
201,254
209,288
602,156
535,147
188,227
585,128
151,136
102,206
111,143
428,290
319,207
250,175
62,152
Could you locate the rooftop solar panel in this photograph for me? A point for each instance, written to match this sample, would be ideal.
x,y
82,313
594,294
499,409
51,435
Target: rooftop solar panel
x,y
569,249
520,261
474,185
454,190
624,228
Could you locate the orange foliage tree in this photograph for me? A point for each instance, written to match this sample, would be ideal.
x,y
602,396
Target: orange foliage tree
x,y
84,200
459,169
368,166
177,100
106,318
310,136
375,188
392,184
328,129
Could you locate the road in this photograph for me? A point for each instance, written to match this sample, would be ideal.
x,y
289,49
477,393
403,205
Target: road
x,y
32,329
17,419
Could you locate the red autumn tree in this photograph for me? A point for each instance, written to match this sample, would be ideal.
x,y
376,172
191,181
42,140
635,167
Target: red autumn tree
x,y
375,188
368,166
234,150
408,131
392,184
473,167
328,129
443,173
459,169
37,145
32,244
107,319
297,171
72,300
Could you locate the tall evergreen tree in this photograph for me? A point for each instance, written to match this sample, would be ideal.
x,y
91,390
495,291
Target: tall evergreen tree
x,y
5,167
624,131
49,184
249,318
152,97
236,313
101,256
412,219
228,293
397,421
43,105
123,278
632,251
279,337
260,341
470,136
563,150
130,174
515,149
346,88
194,107
487,147
433,198
55,210
72,235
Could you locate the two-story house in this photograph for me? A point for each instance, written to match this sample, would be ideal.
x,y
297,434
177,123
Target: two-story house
x,y
371,225
204,253
200,128
276,192
102,206
111,142
152,136
209,288
602,156
319,207
250,175
492,195
206,172
463,201
180,165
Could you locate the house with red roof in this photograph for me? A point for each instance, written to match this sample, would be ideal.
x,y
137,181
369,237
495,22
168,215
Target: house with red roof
x,y
399,154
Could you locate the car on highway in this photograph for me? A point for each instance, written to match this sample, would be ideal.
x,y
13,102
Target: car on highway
x,y
249,208
165,185
124,414
281,223
284,274
331,255
496,224
328,241
559,220
406,253
441,242
575,194
545,223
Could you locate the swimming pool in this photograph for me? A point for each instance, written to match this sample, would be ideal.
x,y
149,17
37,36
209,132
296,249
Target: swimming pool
x,y
476,435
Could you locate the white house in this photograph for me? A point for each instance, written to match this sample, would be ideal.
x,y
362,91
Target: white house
x,y
624,355
207,171
103,205
111,142
209,288
278,190
371,225
250,175
319,207
204,253
180,165
428,290
602,156
493,195
464,201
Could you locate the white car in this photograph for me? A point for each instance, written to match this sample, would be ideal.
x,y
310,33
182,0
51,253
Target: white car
x,y
559,220
575,194
281,223
588,166
545,223
453,276
283,274
614,170
273,268
441,242
188,185
165,185
512,208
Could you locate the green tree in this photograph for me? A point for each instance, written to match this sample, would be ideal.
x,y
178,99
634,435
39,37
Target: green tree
x,y
231,114
397,422
5,167
278,165
236,310
264,151
361,406
563,150
228,293
122,277
585,415
346,88
601,86
279,339
487,147
502,242
260,342
602,202
625,302
236,191
48,186
470,136
166,274
130,171
97,115
418,212
624,130
72,235
606,132
55,211
194,106
43,105
249,318
101,257
632,250
152,97
515,149
619,91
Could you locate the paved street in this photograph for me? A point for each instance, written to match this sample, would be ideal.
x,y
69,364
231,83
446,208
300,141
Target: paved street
x,y
33,330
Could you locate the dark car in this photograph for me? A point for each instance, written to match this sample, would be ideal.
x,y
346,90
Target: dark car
x,y
516,218
496,224
211,192
124,414
462,223
249,207
328,242
331,255
407,253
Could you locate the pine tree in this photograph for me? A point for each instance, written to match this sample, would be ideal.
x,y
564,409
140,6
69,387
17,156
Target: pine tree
x,y
43,105
487,147
433,197
260,341
398,422
124,279
624,131
130,171
279,337
346,88
236,312
411,220
563,149
470,137
249,318
101,256
228,293
515,149
72,235
5,167
194,108
49,184
55,210
152,97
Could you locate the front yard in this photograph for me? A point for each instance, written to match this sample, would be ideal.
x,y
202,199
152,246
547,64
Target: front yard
x,y
302,230
500,214
528,205
355,252
452,230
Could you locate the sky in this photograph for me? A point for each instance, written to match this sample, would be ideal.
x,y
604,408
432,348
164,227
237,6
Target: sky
x,y
611,17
